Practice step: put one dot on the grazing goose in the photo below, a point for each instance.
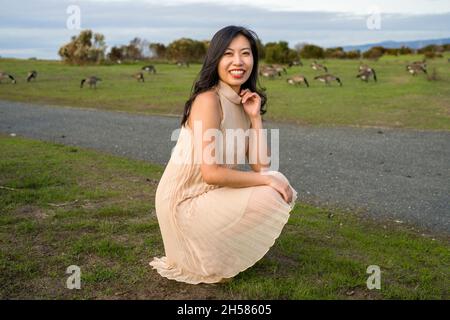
(363, 67)
(316, 66)
(279, 68)
(149, 68)
(327, 78)
(4, 75)
(269, 73)
(365, 74)
(416, 68)
(31, 75)
(139, 77)
(92, 81)
(422, 63)
(264, 68)
(297, 80)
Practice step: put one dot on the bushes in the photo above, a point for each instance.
(339, 53)
(87, 47)
(187, 49)
(279, 52)
(310, 51)
(374, 53)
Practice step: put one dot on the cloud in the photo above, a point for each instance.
(41, 26)
(348, 6)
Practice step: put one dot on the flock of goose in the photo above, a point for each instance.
(139, 76)
(365, 73)
(276, 70)
(91, 81)
(32, 75)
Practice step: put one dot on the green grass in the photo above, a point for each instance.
(397, 100)
(70, 206)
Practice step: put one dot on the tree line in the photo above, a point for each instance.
(89, 47)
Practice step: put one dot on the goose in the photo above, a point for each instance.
(264, 68)
(269, 73)
(316, 66)
(363, 67)
(297, 80)
(365, 74)
(150, 68)
(139, 76)
(269, 69)
(31, 75)
(422, 63)
(416, 68)
(327, 78)
(4, 75)
(92, 81)
(279, 68)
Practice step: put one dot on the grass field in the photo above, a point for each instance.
(71, 206)
(397, 100)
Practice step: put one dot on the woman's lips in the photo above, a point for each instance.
(237, 74)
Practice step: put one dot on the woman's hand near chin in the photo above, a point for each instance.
(251, 102)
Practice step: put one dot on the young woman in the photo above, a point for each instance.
(215, 220)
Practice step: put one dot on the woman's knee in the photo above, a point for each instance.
(265, 192)
(279, 175)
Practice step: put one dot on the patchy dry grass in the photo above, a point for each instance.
(62, 206)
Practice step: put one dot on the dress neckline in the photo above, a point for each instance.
(228, 92)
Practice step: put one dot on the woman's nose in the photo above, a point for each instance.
(237, 60)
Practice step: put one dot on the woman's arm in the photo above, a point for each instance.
(258, 147)
(258, 153)
(206, 110)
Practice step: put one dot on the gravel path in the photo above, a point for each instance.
(397, 174)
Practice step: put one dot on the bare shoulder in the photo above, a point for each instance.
(206, 107)
(209, 97)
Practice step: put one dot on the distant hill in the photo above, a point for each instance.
(417, 44)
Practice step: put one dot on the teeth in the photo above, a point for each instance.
(237, 72)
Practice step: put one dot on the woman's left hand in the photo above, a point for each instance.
(251, 102)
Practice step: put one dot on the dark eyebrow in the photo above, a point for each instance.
(241, 49)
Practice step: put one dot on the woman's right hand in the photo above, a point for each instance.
(281, 186)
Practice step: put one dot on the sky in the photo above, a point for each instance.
(37, 28)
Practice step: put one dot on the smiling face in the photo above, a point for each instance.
(236, 64)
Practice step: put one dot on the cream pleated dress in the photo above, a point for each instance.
(212, 232)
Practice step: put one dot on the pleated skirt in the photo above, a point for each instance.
(221, 232)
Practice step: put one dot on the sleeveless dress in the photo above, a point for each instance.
(212, 232)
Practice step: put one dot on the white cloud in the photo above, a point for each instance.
(351, 6)
(30, 24)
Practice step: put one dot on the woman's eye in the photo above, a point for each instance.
(246, 53)
(228, 53)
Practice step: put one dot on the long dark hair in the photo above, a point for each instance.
(209, 76)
